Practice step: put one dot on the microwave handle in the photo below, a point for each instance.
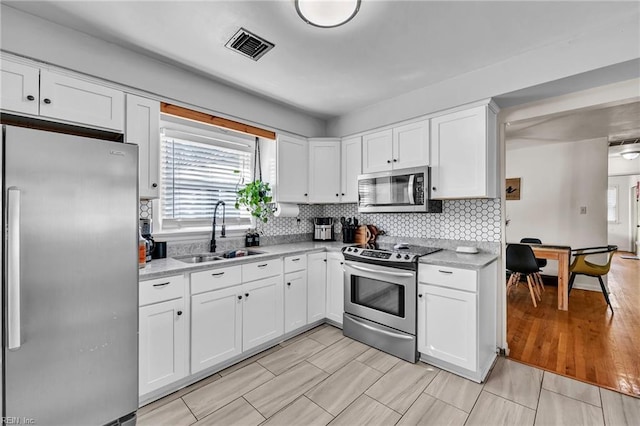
(412, 199)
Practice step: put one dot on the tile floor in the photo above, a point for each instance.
(322, 377)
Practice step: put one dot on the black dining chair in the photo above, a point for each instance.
(541, 262)
(522, 261)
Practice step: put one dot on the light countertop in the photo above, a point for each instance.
(164, 267)
(459, 260)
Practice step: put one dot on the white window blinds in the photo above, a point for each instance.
(197, 172)
(612, 204)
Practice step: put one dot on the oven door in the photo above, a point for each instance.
(381, 294)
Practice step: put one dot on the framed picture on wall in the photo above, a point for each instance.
(513, 189)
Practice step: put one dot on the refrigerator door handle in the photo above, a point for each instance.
(13, 268)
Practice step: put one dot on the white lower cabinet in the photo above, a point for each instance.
(227, 321)
(163, 326)
(295, 300)
(263, 312)
(216, 327)
(316, 287)
(335, 287)
(448, 325)
(457, 318)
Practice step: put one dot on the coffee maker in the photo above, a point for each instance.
(323, 229)
(146, 230)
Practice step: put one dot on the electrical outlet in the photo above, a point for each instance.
(583, 210)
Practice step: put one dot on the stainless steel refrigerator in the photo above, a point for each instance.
(70, 279)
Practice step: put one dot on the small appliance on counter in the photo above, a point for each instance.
(146, 230)
(323, 229)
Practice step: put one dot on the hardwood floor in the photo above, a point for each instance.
(587, 342)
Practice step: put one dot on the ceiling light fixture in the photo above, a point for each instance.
(327, 13)
(630, 155)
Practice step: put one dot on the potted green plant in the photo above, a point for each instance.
(255, 197)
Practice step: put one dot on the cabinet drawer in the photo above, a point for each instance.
(161, 289)
(445, 276)
(215, 279)
(259, 270)
(295, 263)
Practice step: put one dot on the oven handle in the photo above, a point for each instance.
(377, 271)
(380, 330)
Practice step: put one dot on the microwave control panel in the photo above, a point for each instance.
(419, 189)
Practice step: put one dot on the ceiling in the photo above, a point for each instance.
(616, 122)
(389, 48)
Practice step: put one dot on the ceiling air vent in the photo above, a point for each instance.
(249, 44)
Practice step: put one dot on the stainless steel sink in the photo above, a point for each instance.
(212, 257)
(232, 253)
(198, 258)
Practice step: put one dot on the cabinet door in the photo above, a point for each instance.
(324, 171)
(335, 287)
(71, 99)
(143, 129)
(316, 287)
(20, 90)
(162, 338)
(216, 327)
(263, 311)
(351, 162)
(459, 154)
(295, 300)
(447, 325)
(292, 182)
(377, 151)
(411, 145)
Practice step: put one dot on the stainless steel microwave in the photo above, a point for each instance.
(397, 191)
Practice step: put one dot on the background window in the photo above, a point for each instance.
(612, 204)
(198, 170)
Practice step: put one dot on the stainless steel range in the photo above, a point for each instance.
(380, 288)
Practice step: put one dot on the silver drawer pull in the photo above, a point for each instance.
(263, 265)
(445, 272)
(219, 274)
(162, 284)
(295, 260)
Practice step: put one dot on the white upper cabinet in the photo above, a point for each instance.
(71, 99)
(143, 129)
(324, 170)
(292, 180)
(403, 146)
(411, 145)
(20, 90)
(463, 154)
(377, 151)
(351, 162)
(28, 89)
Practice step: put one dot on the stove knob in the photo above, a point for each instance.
(349, 249)
(355, 250)
(406, 256)
(398, 256)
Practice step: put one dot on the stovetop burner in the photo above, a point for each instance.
(384, 253)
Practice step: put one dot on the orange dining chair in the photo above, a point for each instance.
(581, 266)
(522, 261)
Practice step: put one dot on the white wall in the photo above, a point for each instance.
(620, 232)
(35, 38)
(614, 43)
(556, 180)
(618, 166)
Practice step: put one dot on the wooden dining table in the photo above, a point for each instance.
(561, 254)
